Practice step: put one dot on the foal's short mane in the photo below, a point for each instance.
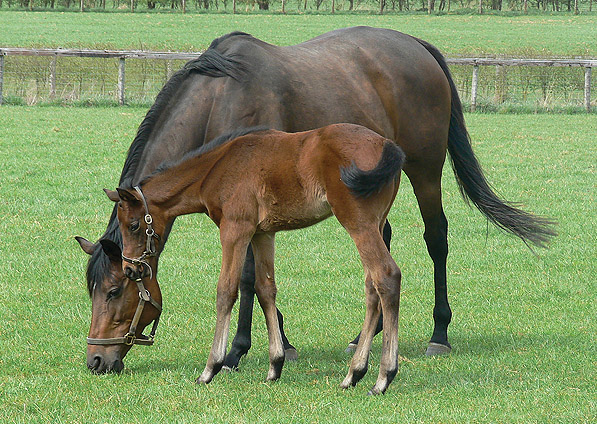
(208, 147)
(211, 63)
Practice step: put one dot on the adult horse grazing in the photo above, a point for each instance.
(387, 81)
(286, 181)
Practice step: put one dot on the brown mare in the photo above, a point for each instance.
(267, 181)
(395, 84)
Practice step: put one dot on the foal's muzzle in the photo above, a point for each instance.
(137, 272)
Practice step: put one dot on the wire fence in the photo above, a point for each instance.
(37, 76)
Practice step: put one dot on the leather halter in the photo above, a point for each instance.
(150, 249)
(130, 338)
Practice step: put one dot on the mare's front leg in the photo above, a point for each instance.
(265, 287)
(235, 238)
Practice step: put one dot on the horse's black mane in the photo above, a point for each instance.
(211, 63)
(207, 147)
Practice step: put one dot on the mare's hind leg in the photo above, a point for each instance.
(428, 193)
(242, 340)
(387, 237)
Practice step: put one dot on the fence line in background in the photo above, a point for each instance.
(499, 64)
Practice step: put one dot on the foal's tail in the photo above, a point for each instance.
(472, 183)
(365, 183)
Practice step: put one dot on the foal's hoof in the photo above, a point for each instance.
(351, 348)
(437, 349)
(291, 354)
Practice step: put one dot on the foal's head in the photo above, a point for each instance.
(114, 299)
(141, 231)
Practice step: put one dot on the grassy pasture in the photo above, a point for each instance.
(523, 331)
(538, 35)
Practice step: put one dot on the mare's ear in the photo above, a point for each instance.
(126, 195)
(112, 250)
(86, 245)
(112, 195)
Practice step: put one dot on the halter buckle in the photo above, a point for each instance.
(129, 339)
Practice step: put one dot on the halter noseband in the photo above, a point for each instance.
(130, 338)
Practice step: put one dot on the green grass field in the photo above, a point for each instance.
(539, 35)
(523, 330)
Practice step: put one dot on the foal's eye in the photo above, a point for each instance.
(134, 226)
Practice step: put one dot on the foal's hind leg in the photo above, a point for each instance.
(383, 293)
(360, 360)
(387, 237)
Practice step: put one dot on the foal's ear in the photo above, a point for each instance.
(86, 245)
(126, 195)
(112, 195)
(112, 250)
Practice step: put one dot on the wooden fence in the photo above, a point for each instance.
(476, 63)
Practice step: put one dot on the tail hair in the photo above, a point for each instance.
(473, 185)
(366, 183)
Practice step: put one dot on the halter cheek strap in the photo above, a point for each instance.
(150, 249)
(130, 338)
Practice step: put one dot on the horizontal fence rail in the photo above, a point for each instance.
(500, 65)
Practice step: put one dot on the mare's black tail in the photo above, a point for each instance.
(365, 183)
(472, 183)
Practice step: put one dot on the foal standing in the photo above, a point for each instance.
(266, 181)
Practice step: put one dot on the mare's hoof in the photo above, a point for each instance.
(291, 354)
(436, 349)
(351, 348)
(229, 369)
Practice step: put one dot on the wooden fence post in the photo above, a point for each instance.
(121, 81)
(53, 78)
(588, 88)
(500, 84)
(1, 75)
(474, 85)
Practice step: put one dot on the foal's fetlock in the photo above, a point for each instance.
(383, 382)
(353, 377)
(209, 373)
(205, 377)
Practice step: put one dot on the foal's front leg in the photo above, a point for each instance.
(235, 239)
(265, 287)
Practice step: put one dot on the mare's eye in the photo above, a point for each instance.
(115, 292)
(134, 226)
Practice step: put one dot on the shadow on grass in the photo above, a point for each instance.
(333, 358)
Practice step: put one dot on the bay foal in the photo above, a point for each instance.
(264, 181)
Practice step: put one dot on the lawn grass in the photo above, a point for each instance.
(523, 331)
(531, 36)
